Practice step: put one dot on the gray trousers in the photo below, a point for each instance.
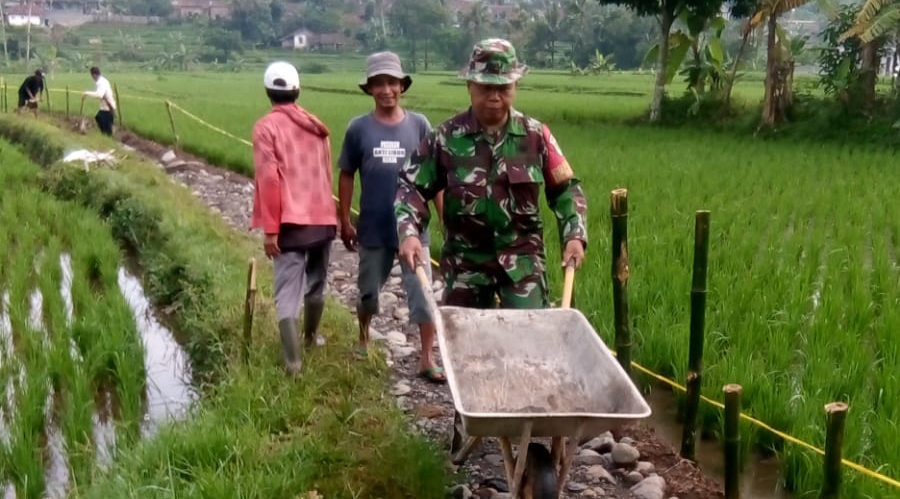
(375, 266)
(300, 275)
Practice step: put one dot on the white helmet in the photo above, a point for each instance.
(281, 75)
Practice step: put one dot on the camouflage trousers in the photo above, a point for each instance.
(482, 289)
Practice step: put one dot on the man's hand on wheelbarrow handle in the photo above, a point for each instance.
(411, 251)
(573, 254)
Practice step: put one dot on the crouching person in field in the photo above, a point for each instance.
(293, 204)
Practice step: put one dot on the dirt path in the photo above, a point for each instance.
(631, 463)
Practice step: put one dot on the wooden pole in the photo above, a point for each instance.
(28, 41)
(695, 355)
(249, 307)
(118, 103)
(836, 413)
(67, 101)
(172, 122)
(49, 109)
(732, 440)
(618, 209)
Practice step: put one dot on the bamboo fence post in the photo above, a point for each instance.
(118, 103)
(695, 355)
(172, 123)
(732, 440)
(49, 109)
(836, 413)
(67, 101)
(249, 308)
(618, 209)
(5, 99)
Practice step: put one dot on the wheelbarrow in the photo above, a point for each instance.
(522, 374)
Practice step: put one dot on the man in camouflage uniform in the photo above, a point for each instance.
(491, 161)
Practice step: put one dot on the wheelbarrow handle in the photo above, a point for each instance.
(423, 277)
(568, 284)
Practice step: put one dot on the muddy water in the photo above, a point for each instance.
(760, 478)
(169, 391)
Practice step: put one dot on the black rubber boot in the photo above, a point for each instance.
(290, 345)
(312, 317)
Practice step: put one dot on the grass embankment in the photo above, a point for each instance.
(63, 343)
(255, 433)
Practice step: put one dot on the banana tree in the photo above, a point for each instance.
(702, 37)
(875, 22)
(876, 18)
(777, 70)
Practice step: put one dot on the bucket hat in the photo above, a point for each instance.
(493, 61)
(384, 63)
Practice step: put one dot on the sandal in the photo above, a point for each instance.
(360, 353)
(434, 374)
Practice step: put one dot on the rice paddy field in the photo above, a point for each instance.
(803, 304)
(74, 354)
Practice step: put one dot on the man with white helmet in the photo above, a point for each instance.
(294, 207)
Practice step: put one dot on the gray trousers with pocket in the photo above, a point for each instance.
(300, 275)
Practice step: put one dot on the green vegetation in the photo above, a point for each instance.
(332, 432)
(54, 384)
(800, 264)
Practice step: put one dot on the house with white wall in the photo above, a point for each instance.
(298, 40)
(22, 15)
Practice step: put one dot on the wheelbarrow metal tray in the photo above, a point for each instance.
(506, 367)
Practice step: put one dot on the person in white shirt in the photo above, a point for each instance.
(106, 116)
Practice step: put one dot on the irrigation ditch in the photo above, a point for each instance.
(167, 394)
(73, 320)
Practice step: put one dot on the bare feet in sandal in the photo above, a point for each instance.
(434, 374)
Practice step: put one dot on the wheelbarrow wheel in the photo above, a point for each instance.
(539, 481)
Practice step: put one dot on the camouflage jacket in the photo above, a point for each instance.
(491, 194)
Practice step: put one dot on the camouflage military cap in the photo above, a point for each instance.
(494, 62)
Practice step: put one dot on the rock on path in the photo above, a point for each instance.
(603, 467)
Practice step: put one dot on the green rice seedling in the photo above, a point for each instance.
(73, 398)
(54, 384)
(115, 358)
(25, 463)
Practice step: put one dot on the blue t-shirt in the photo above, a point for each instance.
(378, 151)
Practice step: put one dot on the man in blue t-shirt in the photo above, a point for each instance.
(376, 145)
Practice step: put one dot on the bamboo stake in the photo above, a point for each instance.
(67, 101)
(5, 99)
(172, 122)
(836, 413)
(695, 355)
(249, 308)
(618, 209)
(49, 110)
(732, 440)
(118, 103)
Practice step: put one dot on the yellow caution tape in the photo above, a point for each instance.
(845, 462)
(208, 125)
(247, 143)
(130, 96)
